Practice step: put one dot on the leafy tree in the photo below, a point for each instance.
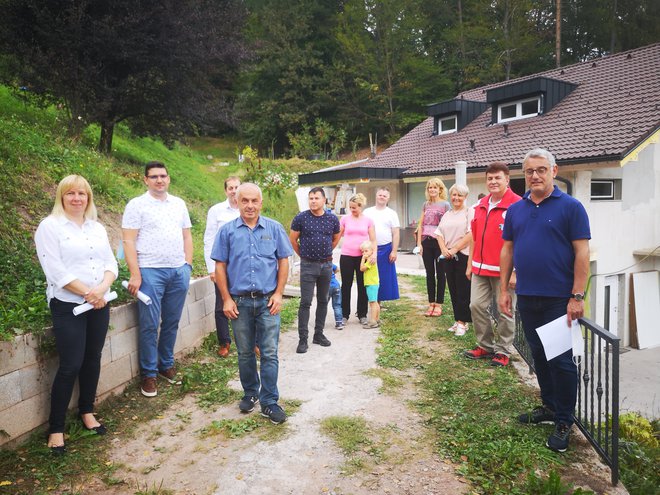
(289, 82)
(164, 67)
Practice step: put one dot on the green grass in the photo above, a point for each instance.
(36, 153)
(470, 407)
(356, 439)
(87, 453)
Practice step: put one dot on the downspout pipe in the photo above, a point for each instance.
(569, 185)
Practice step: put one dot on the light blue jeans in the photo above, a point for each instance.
(167, 288)
(335, 295)
(255, 323)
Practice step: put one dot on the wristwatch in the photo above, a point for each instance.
(578, 296)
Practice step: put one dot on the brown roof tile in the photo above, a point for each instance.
(615, 106)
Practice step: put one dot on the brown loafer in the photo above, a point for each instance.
(223, 350)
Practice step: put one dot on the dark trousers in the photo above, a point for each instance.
(313, 274)
(558, 377)
(221, 321)
(349, 267)
(79, 341)
(435, 275)
(459, 286)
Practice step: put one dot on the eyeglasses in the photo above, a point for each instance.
(155, 177)
(540, 171)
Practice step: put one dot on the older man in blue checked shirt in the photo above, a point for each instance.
(252, 264)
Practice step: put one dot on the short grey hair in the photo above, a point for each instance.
(248, 185)
(540, 153)
(461, 189)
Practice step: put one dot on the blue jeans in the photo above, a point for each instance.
(167, 288)
(313, 274)
(255, 323)
(558, 378)
(335, 295)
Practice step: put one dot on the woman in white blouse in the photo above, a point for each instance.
(75, 254)
(454, 237)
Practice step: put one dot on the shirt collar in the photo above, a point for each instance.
(260, 222)
(556, 192)
(63, 220)
(156, 200)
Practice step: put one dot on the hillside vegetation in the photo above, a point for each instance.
(35, 153)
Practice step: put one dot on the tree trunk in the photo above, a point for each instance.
(558, 34)
(105, 143)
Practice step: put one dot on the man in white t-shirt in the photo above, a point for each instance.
(387, 226)
(219, 215)
(158, 248)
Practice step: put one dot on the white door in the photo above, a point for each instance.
(611, 304)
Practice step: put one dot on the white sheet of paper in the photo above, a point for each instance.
(557, 337)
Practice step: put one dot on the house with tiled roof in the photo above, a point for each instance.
(601, 120)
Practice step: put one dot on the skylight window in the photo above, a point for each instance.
(447, 125)
(521, 109)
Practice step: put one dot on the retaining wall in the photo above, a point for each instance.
(26, 375)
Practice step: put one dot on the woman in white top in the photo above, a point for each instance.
(77, 259)
(454, 237)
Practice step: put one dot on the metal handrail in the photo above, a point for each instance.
(597, 409)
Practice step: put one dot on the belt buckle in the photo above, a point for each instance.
(254, 294)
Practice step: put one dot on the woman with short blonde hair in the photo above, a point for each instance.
(454, 237)
(355, 228)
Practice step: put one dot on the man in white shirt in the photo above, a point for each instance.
(387, 226)
(158, 248)
(219, 215)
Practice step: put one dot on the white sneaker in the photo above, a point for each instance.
(453, 327)
(460, 329)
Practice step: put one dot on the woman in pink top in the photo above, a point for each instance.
(355, 229)
(454, 239)
(435, 206)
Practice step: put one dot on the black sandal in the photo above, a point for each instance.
(100, 429)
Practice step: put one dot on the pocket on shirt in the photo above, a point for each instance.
(267, 247)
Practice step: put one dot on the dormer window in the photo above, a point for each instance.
(521, 109)
(447, 125)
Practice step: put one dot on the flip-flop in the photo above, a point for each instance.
(429, 312)
(437, 311)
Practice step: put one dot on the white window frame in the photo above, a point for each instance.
(450, 131)
(613, 188)
(519, 105)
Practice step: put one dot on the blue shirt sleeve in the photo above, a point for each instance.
(284, 248)
(220, 249)
(295, 223)
(579, 226)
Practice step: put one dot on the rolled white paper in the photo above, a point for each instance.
(140, 295)
(110, 296)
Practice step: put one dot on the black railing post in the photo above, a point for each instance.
(601, 429)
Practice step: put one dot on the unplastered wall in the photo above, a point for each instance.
(26, 375)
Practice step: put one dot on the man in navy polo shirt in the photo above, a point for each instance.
(546, 238)
(314, 234)
(252, 265)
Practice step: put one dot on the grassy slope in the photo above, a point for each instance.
(35, 153)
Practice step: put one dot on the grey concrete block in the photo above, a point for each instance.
(106, 353)
(24, 416)
(196, 311)
(123, 317)
(12, 355)
(10, 389)
(123, 343)
(38, 378)
(185, 320)
(203, 287)
(115, 374)
(209, 304)
(134, 360)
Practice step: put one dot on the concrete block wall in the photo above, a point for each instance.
(26, 375)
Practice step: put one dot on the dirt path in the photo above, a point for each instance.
(170, 452)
